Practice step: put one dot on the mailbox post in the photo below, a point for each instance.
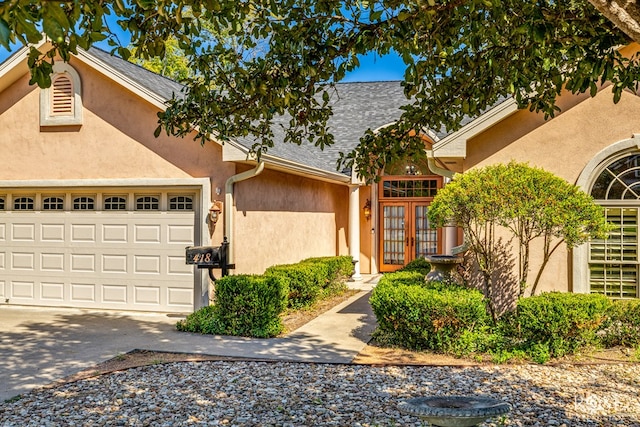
(210, 257)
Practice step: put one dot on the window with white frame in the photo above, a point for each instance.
(23, 203)
(115, 203)
(83, 203)
(52, 203)
(181, 203)
(147, 203)
(614, 262)
(61, 103)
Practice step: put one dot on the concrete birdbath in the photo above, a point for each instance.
(454, 411)
(443, 269)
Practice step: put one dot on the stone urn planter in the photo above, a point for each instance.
(454, 411)
(444, 269)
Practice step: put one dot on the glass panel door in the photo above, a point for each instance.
(394, 236)
(426, 238)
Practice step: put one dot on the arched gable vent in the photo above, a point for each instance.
(61, 104)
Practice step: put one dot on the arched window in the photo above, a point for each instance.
(613, 262)
(61, 104)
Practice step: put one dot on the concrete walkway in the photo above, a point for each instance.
(40, 345)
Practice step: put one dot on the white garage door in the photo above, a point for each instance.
(97, 251)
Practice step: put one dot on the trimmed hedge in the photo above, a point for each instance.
(422, 317)
(453, 319)
(555, 324)
(313, 279)
(623, 324)
(246, 305)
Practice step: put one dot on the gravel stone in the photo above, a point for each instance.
(298, 394)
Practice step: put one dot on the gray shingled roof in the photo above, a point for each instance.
(156, 83)
(356, 108)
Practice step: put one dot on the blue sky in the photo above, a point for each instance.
(372, 67)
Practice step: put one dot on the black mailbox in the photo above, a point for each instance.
(210, 257)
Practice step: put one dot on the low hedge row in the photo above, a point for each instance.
(251, 305)
(453, 319)
(313, 278)
(423, 316)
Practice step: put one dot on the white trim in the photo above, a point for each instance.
(580, 255)
(234, 152)
(121, 79)
(455, 144)
(46, 116)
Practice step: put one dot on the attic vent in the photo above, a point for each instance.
(62, 96)
(61, 103)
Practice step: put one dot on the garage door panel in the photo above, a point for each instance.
(146, 264)
(22, 289)
(147, 233)
(52, 232)
(23, 232)
(83, 233)
(147, 295)
(114, 263)
(52, 262)
(177, 265)
(52, 291)
(114, 294)
(179, 297)
(128, 260)
(23, 261)
(83, 292)
(82, 263)
(115, 233)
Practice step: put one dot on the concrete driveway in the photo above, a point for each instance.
(40, 345)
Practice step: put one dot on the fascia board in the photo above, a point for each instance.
(135, 87)
(234, 152)
(455, 144)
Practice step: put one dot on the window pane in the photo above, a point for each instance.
(1, 203)
(83, 203)
(115, 203)
(23, 204)
(53, 204)
(147, 203)
(181, 203)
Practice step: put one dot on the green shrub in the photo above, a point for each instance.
(305, 282)
(623, 324)
(555, 324)
(313, 279)
(419, 264)
(202, 321)
(248, 306)
(340, 268)
(418, 317)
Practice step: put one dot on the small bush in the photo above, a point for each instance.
(555, 324)
(248, 306)
(410, 278)
(305, 282)
(418, 317)
(202, 321)
(419, 264)
(623, 324)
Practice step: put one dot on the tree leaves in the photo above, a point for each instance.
(262, 65)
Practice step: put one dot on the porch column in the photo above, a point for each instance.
(354, 228)
(450, 239)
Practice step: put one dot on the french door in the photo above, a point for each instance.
(405, 231)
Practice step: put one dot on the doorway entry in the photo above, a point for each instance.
(405, 231)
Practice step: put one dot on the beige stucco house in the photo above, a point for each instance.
(95, 212)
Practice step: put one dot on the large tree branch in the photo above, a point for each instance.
(624, 14)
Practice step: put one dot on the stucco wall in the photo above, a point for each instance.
(115, 140)
(562, 145)
(283, 219)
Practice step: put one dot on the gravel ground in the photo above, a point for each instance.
(296, 394)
